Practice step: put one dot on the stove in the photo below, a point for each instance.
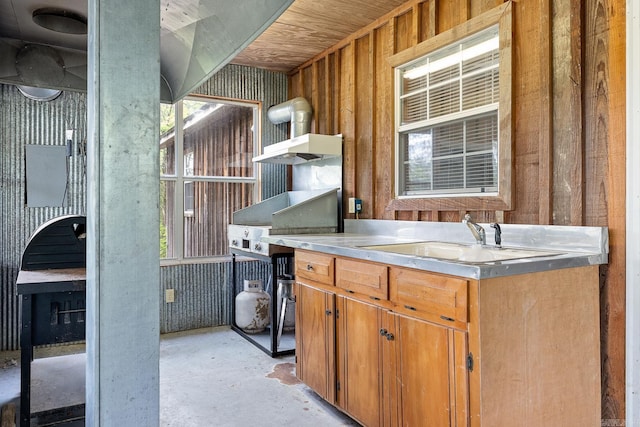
(292, 212)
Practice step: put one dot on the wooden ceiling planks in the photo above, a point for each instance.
(308, 28)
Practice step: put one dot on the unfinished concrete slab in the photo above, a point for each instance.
(208, 377)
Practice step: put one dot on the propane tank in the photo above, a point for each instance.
(252, 307)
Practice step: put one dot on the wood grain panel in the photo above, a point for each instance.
(536, 308)
(360, 342)
(321, 97)
(428, 20)
(528, 87)
(424, 392)
(370, 279)
(308, 85)
(383, 139)
(364, 117)
(315, 340)
(404, 31)
(347, 121)
(315, 267)
(478, 7)
(545, 98)
(452, 13)
(567, 114)
(334, 91)
(604, 112)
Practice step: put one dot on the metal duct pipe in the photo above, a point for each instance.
(297, 111)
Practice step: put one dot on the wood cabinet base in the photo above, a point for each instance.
(437, 350)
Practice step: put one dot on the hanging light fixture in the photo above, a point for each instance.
(39, 93)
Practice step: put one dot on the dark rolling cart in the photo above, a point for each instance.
(51, 287)
(281, 263)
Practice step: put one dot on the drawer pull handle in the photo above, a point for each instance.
(309, 267)
(374, 298)
(350, 291)
(448, 319)
(410, 308)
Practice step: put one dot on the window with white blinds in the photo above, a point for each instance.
(447, 119)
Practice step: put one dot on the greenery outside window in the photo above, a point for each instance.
(215, 141)
(453, 117)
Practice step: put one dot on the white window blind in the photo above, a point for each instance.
(448, 118)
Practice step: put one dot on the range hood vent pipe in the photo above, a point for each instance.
(297, 111)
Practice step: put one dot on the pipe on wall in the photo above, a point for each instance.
(297, 111)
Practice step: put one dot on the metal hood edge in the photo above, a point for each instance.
(303, 146)
(300, 149)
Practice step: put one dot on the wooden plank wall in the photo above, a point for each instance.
(569, 117)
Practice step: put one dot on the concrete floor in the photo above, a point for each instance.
(208, 377)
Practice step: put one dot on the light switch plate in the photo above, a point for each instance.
(169, 295)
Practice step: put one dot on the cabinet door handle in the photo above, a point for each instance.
(410, 308)
(448, 319)
(374, 298)
(309, 267)
(350, 291)
(327, 312)
(387, 334)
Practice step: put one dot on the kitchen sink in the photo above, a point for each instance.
(459, 252)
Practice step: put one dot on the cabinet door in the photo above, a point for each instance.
(359, 360)
(315, 338)
(426, 366)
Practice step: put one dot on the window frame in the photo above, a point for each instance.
(502, 199)
(179, 178)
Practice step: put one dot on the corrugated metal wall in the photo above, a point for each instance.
(24, 121)
(202, 294)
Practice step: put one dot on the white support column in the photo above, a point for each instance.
(122, 213)
(633, 216)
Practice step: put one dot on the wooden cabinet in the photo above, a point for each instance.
(394, 346)
(397, 370)
(318, 268)
(368, 279)
(315, 338)
(360, 362)
(433, 381)
(388, 368)
(430, 296)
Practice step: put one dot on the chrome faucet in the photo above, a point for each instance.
(476, 230)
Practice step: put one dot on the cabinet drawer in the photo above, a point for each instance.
(315, 266)
(433, 296)
(362, 277)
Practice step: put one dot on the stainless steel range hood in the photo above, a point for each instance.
(302, 149)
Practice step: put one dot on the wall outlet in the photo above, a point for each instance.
(169, 295)
(352, 205)
(358, 205)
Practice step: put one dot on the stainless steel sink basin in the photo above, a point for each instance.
(459, 252)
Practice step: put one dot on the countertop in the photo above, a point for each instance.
(575, 246)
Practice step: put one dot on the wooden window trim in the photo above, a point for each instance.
(501, 15)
